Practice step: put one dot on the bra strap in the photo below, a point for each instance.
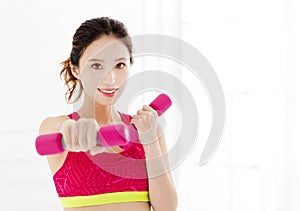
(126, 118)
(74, 116)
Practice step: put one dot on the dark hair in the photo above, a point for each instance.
(88, 32)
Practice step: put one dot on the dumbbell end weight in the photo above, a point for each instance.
(49, 144)
(161, 103)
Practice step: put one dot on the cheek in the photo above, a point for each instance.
(122, 81)
(123, 77)
(90, 81)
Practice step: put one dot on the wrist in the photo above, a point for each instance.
(147, 138)
(152, 149)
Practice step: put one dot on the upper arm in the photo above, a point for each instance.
(51, 124)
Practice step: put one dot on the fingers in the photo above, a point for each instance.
(138, 116)
(87, 131)
(142, 112)
(141, 116)
(80, 135)
(92, 135)
(147, 108)
(145, 121)
(67, 129)
(146, 111)
(136, 121)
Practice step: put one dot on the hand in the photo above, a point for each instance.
(145, 122)
(81, 135)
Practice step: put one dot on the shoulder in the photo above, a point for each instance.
(52, 124)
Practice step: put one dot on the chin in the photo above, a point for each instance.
(106, 101)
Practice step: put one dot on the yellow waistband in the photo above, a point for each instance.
(107, 198)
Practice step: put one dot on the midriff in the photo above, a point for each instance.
(124, 206)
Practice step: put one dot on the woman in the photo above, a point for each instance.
(99, 65)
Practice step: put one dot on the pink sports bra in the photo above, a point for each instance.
(85, 180)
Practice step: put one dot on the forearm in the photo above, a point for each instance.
(162, 191)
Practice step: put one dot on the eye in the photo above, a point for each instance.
(96, 66)
(121, 65)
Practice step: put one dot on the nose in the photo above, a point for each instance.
(109, 78)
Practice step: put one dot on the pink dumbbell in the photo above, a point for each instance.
(112, 135)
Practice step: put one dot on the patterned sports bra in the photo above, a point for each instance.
(105, 178)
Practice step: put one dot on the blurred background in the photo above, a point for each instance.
(253, 47)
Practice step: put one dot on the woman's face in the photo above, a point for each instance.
(104, 69)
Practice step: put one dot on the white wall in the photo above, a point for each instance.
(254, 48)
(252, 45)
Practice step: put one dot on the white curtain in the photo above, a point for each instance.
(253, 46)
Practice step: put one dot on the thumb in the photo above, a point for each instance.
(96, 150)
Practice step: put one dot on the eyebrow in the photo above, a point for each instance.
(102, 60)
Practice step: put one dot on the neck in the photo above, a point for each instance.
(103, 114)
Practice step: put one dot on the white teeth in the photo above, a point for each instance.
(108, 91)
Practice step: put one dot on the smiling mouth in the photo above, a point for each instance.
(107, 92)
